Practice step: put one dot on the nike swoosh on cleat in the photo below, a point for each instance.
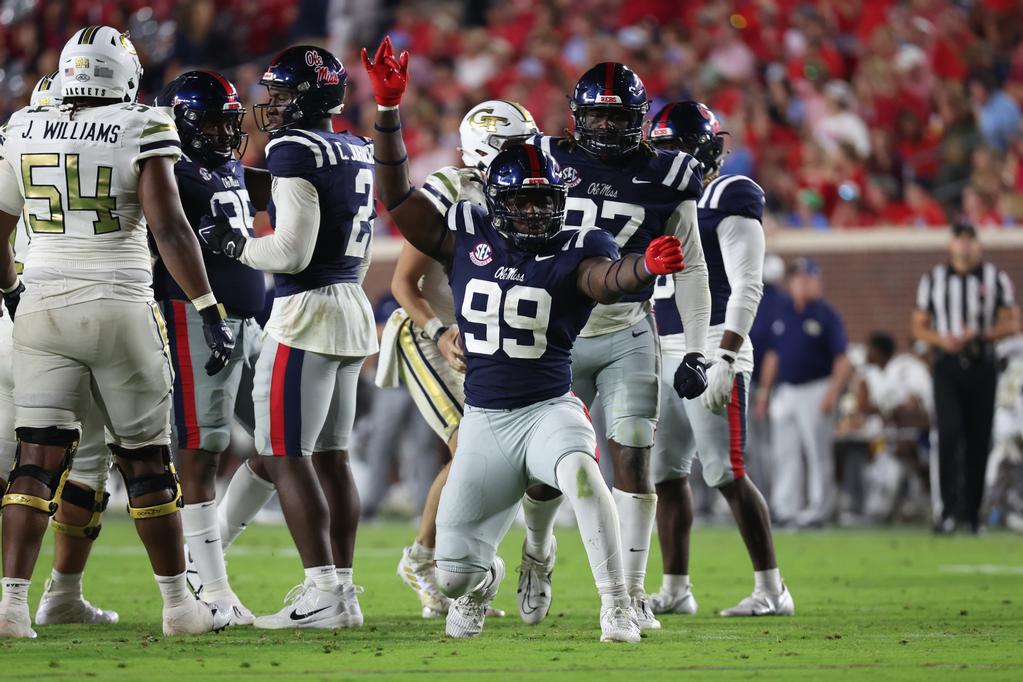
(639, 333)
(641, 182)
(295, 615)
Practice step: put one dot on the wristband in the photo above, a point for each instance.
(391, 163)
(385, 107)
(726, 355)
(13, 287)
(382, 129)
(431, 327)
(204, 301)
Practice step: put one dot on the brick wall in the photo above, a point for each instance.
(871, 277)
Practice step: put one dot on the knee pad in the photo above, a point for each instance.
(633, 431)
(150, 483)
(96, 500)
(54, 480)
(455, 579)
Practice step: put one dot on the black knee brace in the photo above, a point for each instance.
(96, 500)
(150, 483)
(54, 480)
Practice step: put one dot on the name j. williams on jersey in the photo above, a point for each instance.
(85, 131)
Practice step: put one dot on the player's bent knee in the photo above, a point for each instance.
(149, 471)
(455, 578)
(215, 441)
(633, 432)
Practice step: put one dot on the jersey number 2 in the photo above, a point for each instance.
(493, 311)
(362, 223)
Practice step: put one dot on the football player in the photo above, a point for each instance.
(208, 115)
(91, 175)
(420, 344)
(83, 500)
(617, 182)
(321, 327)
(523, 289)
(713, 427)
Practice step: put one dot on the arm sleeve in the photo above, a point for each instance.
(290, 248)
(692, 292)
(923, 293)
(742, 251)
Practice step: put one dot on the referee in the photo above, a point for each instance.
(963, 307)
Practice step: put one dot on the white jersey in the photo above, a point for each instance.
(446, 187)
(75, 175)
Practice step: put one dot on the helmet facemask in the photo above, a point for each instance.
(609, 131)
(528, 215)
(283, 107)
(215, 136)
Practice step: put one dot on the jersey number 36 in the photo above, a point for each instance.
(521, 307)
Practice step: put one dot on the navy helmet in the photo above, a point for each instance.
(615, 89)
(526, 196)
(208, 114)
(316, 80)
(692, 128)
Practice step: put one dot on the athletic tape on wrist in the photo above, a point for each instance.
(382, 129)
(204, 301)
(387, 107)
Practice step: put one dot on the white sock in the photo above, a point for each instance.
(174, 589)
(344, 576)
(246, 494)
(674, 584)
(202, 534)
(595, 512)
(540, 515)
(324, 577)
(421, 552)
(768, 581)
(15, 592)
(65, 584)
(637, 512)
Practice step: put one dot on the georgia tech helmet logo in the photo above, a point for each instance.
(484, 118)
(127, 44)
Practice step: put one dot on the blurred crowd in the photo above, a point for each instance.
(850, 113)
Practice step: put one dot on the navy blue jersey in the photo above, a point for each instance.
(217, 191)
(807, 341)
(631, 198)
(519, 313)
(727, 195)
(771, 305)
(340, 167)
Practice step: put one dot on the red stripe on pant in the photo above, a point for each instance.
(185, 374)
(735, 433)
(277, 401)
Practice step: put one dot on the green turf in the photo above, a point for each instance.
(877, 604)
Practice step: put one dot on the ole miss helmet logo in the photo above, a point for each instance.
(481, 254)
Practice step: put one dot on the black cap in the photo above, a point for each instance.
(963, 228)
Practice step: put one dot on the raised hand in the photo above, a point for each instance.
(389, 76)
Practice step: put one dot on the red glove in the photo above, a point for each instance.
(388, 75)
(664, 256)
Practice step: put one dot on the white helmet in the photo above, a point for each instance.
(100, 61)
(46, 93)
(488, 126)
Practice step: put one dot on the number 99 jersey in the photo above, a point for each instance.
(76, 175)
(518, 312)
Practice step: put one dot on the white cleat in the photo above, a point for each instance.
(468, 612)
(619, 624)
(534, 590)
(763, 604)
(418, 575)
(309, 607)
(57, 609)
(193, 617)
(644, 616)
(236, 612)
(669, 602)
(350, 594)
(15, 622)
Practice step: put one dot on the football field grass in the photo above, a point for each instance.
(869, 604)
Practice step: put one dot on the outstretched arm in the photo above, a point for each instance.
(411, 209)
(605, 280)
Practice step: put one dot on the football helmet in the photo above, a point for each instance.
(489, 126)
(46, 93)
(199, 99)
(692, 128)
(526, 196)
(100, 61)
(615, 90)
(316, 80)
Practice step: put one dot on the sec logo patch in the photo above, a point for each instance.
(481, 255)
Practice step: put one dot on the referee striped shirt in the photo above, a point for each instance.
(960, 302)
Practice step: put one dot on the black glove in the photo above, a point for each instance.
(13, 298)
(218, 337)
(691, 376)
(217, 235)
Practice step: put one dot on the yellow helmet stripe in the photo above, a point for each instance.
(88, 35)
(526, 116)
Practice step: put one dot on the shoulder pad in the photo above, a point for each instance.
(464, 216)
(158, 134)
(734, 195)
(682, 173)
(592, 241)
(291, 155)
